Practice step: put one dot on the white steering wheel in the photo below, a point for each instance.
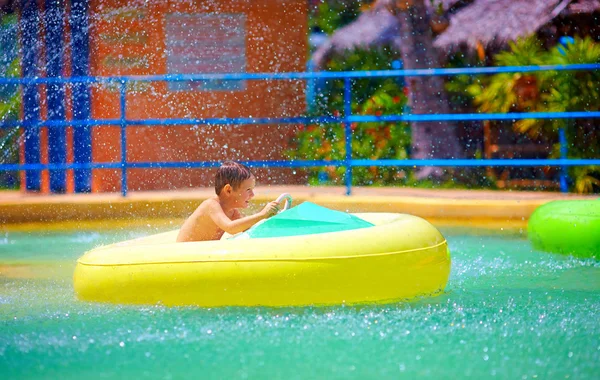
(288, 201)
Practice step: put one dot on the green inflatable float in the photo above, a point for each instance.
(567, 227)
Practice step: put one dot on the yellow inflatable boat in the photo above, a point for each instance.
(392, 257)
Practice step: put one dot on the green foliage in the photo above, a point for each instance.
(10, 105)
(381, 140)
(332, 99)
(574, 90)
(547, 91)
(9, 108)
(10, 102)
(369, 141)
(500, 93)
(9, 153)
(587, 179)
(8, 19)
(331, 15)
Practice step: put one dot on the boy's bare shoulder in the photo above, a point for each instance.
(209, 203)
(205, 208)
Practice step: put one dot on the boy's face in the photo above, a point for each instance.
(244, 193)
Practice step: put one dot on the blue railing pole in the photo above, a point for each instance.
(123, 94)
(80, 60)
(348, 133)
(310, 88)
(564, 175)
(31, 97)
(57, 142)
(446, 162)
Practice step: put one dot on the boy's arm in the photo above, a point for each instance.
(242, 224)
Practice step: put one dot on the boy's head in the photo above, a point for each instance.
(231, 173)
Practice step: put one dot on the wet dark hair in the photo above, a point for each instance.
(232, 173)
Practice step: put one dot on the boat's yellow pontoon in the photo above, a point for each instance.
(391, 257)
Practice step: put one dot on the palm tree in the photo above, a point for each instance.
(427, 94)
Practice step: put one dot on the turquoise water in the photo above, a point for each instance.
(508, 312)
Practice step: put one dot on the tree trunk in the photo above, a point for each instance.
(426, 94)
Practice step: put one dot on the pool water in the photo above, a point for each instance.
(508, 312)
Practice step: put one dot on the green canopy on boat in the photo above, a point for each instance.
(304, 219)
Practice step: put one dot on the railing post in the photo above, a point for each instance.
(564, 175)
(57, 142)
(123, 94)
(310, 88)
(80, 60)
(31, 97)
(348, 133)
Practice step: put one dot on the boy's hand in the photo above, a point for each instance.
(270, 209)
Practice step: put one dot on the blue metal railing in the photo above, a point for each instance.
(346, 119)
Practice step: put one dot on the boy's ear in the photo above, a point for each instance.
(227, 188)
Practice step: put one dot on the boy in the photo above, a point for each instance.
(234, 185)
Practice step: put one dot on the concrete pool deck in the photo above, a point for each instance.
(464, 207)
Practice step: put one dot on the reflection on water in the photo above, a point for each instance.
(508, 311)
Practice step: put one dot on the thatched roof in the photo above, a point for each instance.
(472, 22)
(373, 28)
(495, 22)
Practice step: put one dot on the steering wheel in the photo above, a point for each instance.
(288, 201)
